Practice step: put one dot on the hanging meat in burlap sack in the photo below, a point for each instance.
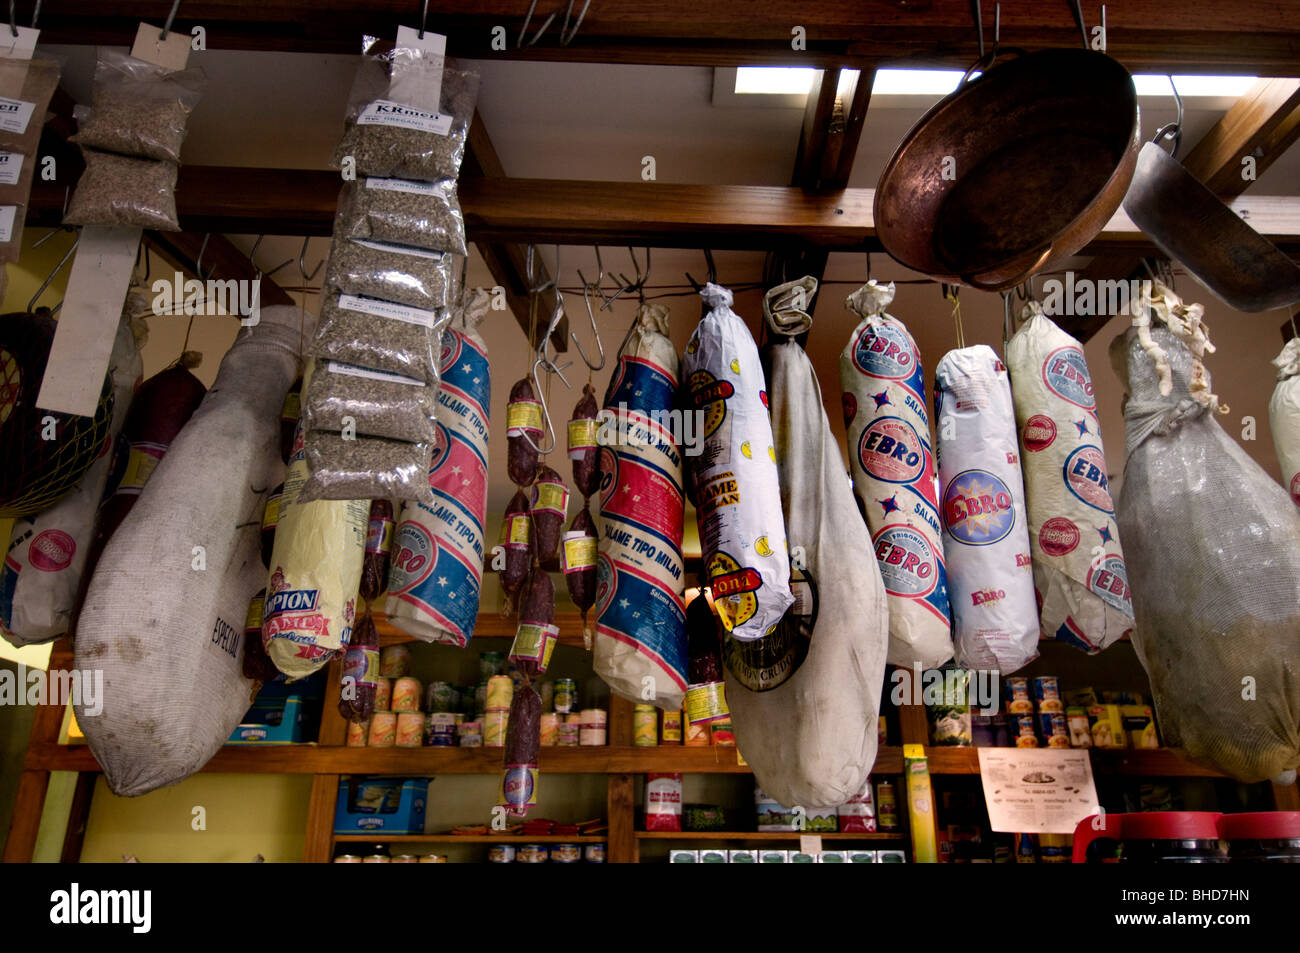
(1079, 571)
(437, 568)
(732, 476)
(315, 571)
(1213, 549)
(990, 582)
(640, 645)
(892, 461)
(164, 613)
(805, 700)
(43, 567)
(1284, 416)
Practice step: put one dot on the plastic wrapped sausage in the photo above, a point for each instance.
(360, 684)
(379, 540)
(523, 742)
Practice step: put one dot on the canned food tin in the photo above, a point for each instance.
(1054, 729)
(494, 729)
(441, 696)
(547, 693)
(383, 729)
(720, 733)
(593, 853)
(1047, 694)
(592, 727)
(548, 730)
(500, 692)
(410, 729)
(406, 859)
(566, 695)
(491, 663)
(645, 725)
(406, 694)
(378, 859)
(348, 859)
(566, 854)
(395, 661)
(1019, 700)
(480, 697)
(567, 734)
(441, 729)
(1023, 731)
(886, 807)
(357, 733)
(383, 694)
(469, 734)
(433, 859)
(532, 854)
(1080, 732)
(501, 854)
(670, 728)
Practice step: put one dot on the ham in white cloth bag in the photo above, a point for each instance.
(640, 645)
(1214, 558)
(805, 700)
(990, 582)
(890, 456)
(1079, 570)
(163, 619)
(733, 477)
(1284, 416)
(437, 563)
(41, 578)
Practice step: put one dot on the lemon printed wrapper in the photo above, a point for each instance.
(733, 478)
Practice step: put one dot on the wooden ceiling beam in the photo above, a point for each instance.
(1255, 36)
(250, 201)
(505, 260)
(1262, 124)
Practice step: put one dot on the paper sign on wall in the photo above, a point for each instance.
(1037, 790)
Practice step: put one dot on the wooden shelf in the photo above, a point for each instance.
(766, 835)
(1153, 762)
(490, 625)
(505, 838)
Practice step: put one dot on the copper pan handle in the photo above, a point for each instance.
(985, 61)
(1040, 257)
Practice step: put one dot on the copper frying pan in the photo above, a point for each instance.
(1014, 172)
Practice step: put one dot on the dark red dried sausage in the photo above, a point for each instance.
(379, 538)
(580, 564)
(523, 743)
(523, 417)
(517, 539)
(536, 611)
(550, 507)
(583, 450)
(360, 668)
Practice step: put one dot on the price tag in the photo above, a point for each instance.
(18, 47)
(172, 53)
(810, 844)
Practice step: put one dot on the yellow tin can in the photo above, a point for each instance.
(410, 729)
(383, 729)
(494, 728)
(645, 725)
(406, 694)
(500, 692)
(670, 728)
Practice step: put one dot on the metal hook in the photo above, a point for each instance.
(142, 251)
(567, 35)
(1076, 9)
(630, 286)
(36, 13)
(302, 266)
(13, 20)
(252, 256)
(520, 44)
(167, 27)
(1294, 332)
(713, 272)
(1008, 321)
(542, 360)
(587, 288)
(46, 283)
(424, 15)
(979, 24)
(198, 262)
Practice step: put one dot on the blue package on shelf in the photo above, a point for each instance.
(270, 722)
(390, 805)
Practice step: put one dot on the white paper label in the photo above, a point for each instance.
(351, 370)
(172, 53)
(386, 309)
(403, 185)
(15, 115)
(385, 112)
(1037, 790)
(11, 167)
(7, 213)
(18, 47)
(400, 249)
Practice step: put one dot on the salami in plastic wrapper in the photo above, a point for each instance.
(733, 479)
(1284, 416)
(311, 594)
(1079, 570)
(892, 461)
(640, 646)
(437, 563)
(990, 583)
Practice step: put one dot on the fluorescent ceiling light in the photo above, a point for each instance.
(786, 81)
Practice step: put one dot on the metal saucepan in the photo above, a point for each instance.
(1188, 222)
(1014, 172)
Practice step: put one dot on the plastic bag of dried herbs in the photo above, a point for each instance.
(365, 468)
(138, 109)
(408, 115)
(25, 90)
(397, 273)
(121, 190)
(375, 403)
(403, 212)
(380, 335)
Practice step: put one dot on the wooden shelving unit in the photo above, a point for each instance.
(765, 836)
